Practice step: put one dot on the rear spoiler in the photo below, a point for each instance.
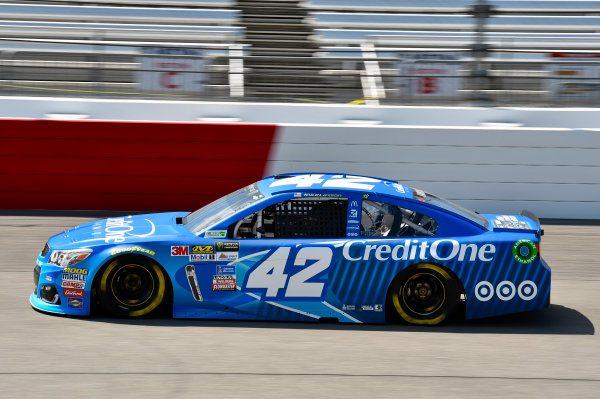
(532, 216)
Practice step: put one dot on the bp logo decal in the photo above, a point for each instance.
(524, 251)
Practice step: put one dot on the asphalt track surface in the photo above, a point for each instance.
(552, 353)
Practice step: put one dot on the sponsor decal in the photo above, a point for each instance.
(348, 307)
(501, 224)
(75, 303)
(354, 214)
(378, 308)
(48, 278)
(74, 293)
(80, 278)
(297, 195)
(507, 218)
(180, 250)
(366, 307)
(227, 246)
(215, 234)
(510, 222)
(132, 249)
(505, 290)
(74, 270)
(203, 257)
(118, 229)
(227, 256)
(225, 269)
(525, 251)
(321, 195)
(223, 282)
(72, 284)
(365, 196)
(442, 250)
(203, 249)
(398, 187)
(352, 234)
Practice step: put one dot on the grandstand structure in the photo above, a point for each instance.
(378, 51)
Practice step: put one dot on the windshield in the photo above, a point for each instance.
(421, 195)
(222, 208)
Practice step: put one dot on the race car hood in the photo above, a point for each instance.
(526, 222)
(123, 229)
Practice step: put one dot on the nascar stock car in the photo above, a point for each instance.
(301, 247)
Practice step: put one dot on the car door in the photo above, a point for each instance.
(286, 255)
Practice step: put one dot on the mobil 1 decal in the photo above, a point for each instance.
(291, 273)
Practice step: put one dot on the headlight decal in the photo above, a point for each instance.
(68, 258)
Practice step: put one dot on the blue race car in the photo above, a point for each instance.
(301, 247)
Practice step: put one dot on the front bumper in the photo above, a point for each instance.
(68, 301)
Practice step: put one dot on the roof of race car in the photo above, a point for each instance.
(332, 182)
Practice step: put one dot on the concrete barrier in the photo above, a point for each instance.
(148, 155)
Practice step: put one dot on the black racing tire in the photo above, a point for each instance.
(424, 294)
(132, 287)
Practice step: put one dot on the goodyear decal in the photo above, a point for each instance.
(133, 249)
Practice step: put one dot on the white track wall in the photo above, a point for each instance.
(309, 114)
(553, 172)
(496, 160)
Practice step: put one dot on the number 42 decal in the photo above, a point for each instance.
(281, 276)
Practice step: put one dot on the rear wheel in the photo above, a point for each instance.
(132, 287)
(425, 294)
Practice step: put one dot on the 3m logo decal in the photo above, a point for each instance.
(180, 250)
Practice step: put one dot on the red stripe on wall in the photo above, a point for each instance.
(137, 166)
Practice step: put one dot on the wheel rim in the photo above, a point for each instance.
(132, 285)
(423, 294)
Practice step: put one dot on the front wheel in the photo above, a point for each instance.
(425, 294)
(132, 287)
